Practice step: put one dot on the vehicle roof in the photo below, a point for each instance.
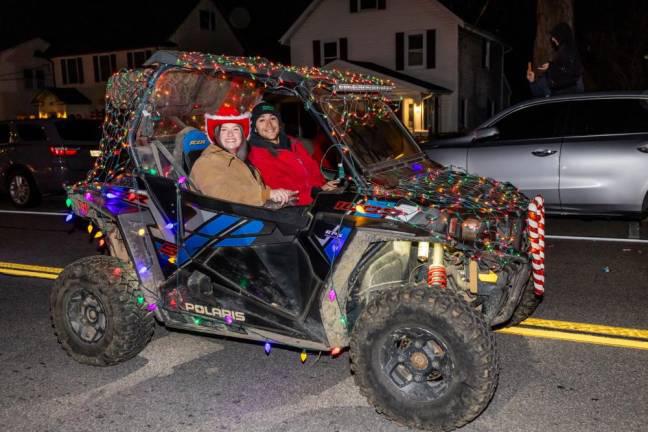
(567, 98)
(263, 69)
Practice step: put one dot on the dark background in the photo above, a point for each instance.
(611, 35)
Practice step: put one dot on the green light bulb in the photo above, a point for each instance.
(68, 202)
(140, 300)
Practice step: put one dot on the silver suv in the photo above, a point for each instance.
(41, 156)
(585, 154)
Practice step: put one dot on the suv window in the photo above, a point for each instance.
(4, 133)
(31, 132)
(537, 121)
(608, 116)
(79, 130)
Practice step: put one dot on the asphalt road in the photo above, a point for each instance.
(184, 382)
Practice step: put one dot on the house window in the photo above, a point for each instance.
(104, 66)
(137, 58)
(207, 20)
(360, 5)
(330, 50)
(486, 54)
(463, 114)
(72, 70)
(28, 76)
(415, 49)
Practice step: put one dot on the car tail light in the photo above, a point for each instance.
(63, 151)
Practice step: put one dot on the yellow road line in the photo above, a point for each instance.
(14, 266)
(573, 337)
(27, 273)
(587, 328)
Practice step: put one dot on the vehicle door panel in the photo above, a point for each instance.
(252, 256)
(526, 152)
(604, 162)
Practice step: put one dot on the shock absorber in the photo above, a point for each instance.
(436, 271)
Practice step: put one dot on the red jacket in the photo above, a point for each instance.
(292, 169)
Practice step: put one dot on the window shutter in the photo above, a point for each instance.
(431, 49)
(381, 4)
(64, 72)
(317, 53)
(343, 49)
(129, 60)
(113, 63)
(80, 69)
(353, 6)
(95, 66)
(400, 51)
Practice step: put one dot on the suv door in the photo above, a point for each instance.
(604, 157)
(526, 152)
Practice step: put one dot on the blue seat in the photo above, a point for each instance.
(191, 142)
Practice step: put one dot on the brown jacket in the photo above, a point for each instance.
(221, 175)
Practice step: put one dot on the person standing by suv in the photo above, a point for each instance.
(564, 74)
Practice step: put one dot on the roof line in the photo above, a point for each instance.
(285, 39)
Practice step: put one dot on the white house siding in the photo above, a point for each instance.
(371, 37)
(190, 37)
(15, 99)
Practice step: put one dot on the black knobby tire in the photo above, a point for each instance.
(528, 304)
(449, 333)
(26, 194)
(96, 314)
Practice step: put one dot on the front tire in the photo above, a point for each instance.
(96, 314)
(424, 358)
(528, 304)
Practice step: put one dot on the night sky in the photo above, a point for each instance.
(611, 34)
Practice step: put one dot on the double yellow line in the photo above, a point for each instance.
(533, 327)
(581, 332)
(29, 270)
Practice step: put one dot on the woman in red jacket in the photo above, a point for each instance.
(283, 161)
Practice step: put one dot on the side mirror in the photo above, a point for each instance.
(485, 134)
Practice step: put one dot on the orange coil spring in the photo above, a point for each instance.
(437, 276)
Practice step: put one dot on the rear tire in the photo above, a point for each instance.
(96, 314)
(424, 358)
(22, 189)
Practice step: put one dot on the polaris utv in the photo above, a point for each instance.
(408, 264)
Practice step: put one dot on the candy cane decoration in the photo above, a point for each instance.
(536, 221)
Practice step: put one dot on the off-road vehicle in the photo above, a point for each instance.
(408, 264)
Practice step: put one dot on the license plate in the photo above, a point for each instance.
(95, 153)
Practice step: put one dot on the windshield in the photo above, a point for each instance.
(370, 129)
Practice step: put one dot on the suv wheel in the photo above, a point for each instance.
(22, 189)
(424, 358)
(96, 314)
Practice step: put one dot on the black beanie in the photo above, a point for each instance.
(263, 108)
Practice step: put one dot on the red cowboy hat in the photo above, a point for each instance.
(226, 114)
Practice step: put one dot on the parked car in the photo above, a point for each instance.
(585, 154)
(41, 156)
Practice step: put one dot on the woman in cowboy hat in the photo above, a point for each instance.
(221, 173)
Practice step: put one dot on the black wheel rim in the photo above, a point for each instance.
(86, 316)
(417, 363)
(19, 189)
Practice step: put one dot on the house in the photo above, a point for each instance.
(125, 39)
(23, 75)
(448, 73)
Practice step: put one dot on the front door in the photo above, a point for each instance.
(526, 152)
